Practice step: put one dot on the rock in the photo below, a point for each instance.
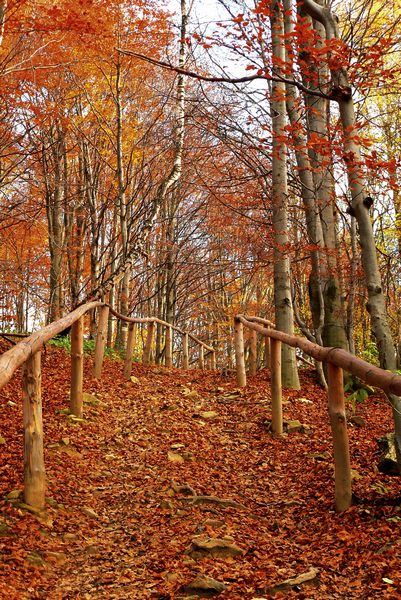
(35, 558)
(388, 456)
(184, 490)
(218, 547)
(4, 530)
(190, 393)
(295, 581)
(319, 456)
(175, 458)
(294, 426)
(90, 399)
(224, 502)
(215, 523)
(90, 513)
(355, 474)
(14, 495)
(357, 420)
(35, 511)
(57, 557)
(188, 456)
(160, 371)
(209, 414)
(2, 440)
(203, 587)
(54, 504)
(75, 419)
(290, 426)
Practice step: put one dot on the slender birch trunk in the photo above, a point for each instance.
(146, 226)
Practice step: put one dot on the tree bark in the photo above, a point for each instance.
(77, 367)
(34, 468)
(282, 286)
(338, 420)
(376, 306)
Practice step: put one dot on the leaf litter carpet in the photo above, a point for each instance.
(172, 487)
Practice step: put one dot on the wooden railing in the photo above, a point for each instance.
(337, 360)
(27, 353)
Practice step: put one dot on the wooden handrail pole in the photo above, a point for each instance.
(129, 350)
(239, 353)
(266, 356)
(101, 336)
(148, 344)
(77, 367)
(201, 357)
(214, 360)
(185, 351)
(276, 390)
(252, 353)
(338, 421)
(34, 466)
(169, 348)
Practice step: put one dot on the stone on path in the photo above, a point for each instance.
(388, 459)
(217, 547)
(203, 587)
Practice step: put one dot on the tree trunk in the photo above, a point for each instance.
(333, 333)
(341, 91)
(282, 287)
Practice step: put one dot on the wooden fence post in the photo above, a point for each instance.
(276, 390)
(338, 421)
(266, 356)
(168, 353)
(77, 367)
(34, 467)
(129, 350)
(239, 353)
(201, 357)
(185, 351)
(148, 344)
(214, 360)
(252, 353)
(100, 343)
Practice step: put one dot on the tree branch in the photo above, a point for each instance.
(218, 79)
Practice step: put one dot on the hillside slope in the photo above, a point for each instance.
(173, 478)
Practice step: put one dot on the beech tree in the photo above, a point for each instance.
(340, 90)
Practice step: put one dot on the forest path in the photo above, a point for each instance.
(173, 476)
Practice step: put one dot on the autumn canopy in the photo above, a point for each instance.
(203, 173)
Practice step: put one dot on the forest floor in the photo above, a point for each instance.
(172, 482)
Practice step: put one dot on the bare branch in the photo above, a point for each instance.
(218, 79)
